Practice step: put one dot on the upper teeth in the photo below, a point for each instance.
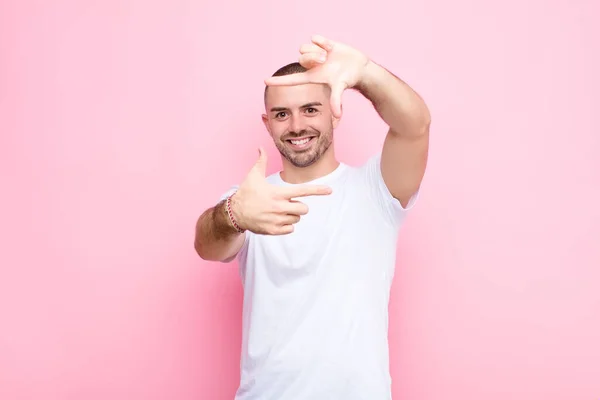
(302, 141)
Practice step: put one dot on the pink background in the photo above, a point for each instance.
(121, 121)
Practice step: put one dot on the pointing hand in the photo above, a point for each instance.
(263, 208)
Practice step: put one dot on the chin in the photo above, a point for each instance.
(303, 160)
(305, 164)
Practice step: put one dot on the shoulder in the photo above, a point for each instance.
(369, 177)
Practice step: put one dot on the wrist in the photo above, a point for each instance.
(371, 73)
(233, 214)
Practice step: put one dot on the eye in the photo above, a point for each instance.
(280, 114)
(311, 110)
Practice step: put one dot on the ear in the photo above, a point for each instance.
(265, 120)
(334, 121)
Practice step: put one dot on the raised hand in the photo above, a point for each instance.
(335, 64)
(263, 208)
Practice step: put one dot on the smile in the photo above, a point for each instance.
(300, 143)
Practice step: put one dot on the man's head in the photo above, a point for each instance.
(300, 112)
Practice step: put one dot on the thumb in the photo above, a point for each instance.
(336, 99)
(261, 163)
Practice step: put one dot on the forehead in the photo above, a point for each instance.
(296, 96)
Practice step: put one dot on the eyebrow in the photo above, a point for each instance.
(307, 105)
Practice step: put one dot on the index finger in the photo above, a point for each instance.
(305, 190)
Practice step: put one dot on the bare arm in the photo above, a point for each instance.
(216, 239)
(405, 149)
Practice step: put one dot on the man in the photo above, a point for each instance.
(316, 242)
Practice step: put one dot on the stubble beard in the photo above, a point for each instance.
(306, 158)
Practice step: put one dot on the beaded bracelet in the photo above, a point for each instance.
(231, 218)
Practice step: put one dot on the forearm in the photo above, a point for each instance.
(402, 109)
(216, 238)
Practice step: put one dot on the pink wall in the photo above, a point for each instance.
(120, 121)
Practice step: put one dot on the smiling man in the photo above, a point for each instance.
(316, 242)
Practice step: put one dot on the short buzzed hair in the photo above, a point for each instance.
(292, 68)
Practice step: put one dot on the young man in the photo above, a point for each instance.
(316, 242)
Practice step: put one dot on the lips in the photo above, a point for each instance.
(300, 143)
(299, 138)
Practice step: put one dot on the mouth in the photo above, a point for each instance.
(301, 143)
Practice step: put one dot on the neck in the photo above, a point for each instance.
(324, 166)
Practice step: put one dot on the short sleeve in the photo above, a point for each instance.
(389, 207)
(229, 192)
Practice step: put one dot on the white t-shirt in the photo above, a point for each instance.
(315, 312)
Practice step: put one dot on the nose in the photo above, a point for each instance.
(297, 123)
